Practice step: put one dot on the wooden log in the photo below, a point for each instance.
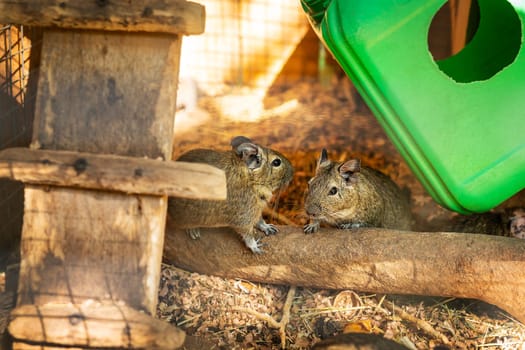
(159, 16)
(488, 268)
(92, 324)
(113, 173)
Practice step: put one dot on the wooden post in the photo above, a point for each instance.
(101, 90)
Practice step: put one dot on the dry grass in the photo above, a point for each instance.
(236, 314)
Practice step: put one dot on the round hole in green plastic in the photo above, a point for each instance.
(491, 41)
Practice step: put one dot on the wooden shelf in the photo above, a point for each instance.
(160, 16)
(113, 173)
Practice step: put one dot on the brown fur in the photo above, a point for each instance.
(250, 185)
(363, 197)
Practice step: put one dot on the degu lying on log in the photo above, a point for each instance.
(253, 174)
(347, 195)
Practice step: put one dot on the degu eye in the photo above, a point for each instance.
(333, 191)
(276, 162)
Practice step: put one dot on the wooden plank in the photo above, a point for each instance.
(93, 324)
(79, 245)
(107, 93)
(113, 173)
(163, 16)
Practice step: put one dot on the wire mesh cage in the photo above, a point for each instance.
(17, 99)
(246, 43)
(248, 47)
(14, 74)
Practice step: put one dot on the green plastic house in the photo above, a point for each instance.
(460, 122)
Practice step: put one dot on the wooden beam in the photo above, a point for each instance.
(162, 16)
(484, 267)
(113, 173)
(92, 324)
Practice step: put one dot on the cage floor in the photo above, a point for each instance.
(299, 120)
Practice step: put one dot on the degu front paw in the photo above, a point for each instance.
(268, 229)
(255, 245)
(195, 232)
(311, 227)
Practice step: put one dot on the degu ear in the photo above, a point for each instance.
(250, 154)
(348, 169)
(238, 140)
(323, 159)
